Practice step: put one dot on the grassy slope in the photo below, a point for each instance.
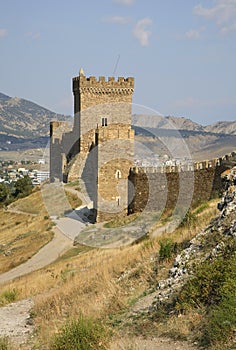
(96, 282)
(25, 228)
(21, 233)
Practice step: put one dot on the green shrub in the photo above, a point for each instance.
(167, 248)
(189, 220)
(8, 296)
(23, 187)
(220, 321)
(4, 192)
(201, 208)
(5, 344)
(82, 334)
(212, 290)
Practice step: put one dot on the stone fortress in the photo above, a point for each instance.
(99, 151)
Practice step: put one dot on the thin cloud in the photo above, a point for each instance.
(118, 19)
(141, 32)
(3, 32)
(125, 2)
(223, 13)
(228, 29)
(33, 36)
(194, 33)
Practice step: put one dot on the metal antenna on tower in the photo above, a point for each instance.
(117, 61)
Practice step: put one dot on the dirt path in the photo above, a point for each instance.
(139, 343)
(148, 342)
(49, 253)
(15, 321)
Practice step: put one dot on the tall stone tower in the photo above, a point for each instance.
(100, 103)
(99, 148)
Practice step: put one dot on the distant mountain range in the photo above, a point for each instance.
(181, 123)
(25, 125)
(24, 119)
(204, 142)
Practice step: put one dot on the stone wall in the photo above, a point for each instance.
(97, 99)
(94, 99)
(158, 189)
(115, 148)
(102, 155)
(57, 149)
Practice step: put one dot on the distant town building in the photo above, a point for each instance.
(40, 176)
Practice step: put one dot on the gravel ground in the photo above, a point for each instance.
(15, 321)
(139, 343)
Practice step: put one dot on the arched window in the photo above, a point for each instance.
(118, 174)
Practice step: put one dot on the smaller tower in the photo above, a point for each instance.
(115, 157)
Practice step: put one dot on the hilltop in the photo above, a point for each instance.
(159, 134)
(25, 119)
(222, 127)
(180, 123)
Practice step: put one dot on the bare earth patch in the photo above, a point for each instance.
(15, 321)
(139, 343)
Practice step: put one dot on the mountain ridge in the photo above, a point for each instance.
(25, 124)
(25, 119)
(182, 123)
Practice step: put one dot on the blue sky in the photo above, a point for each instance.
(181, 53)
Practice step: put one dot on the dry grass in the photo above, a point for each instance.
(181, 326)
(88, 283)
(202, 220)
(22, 235)
(38, 202)
(97, 282)
(32, 204)
(73, 199)
(121, 221)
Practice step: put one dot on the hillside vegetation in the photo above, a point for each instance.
(25, 125)
(22, 233)
(99, 287)
(179, 285)
(23, 118)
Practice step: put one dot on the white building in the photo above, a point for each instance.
(42, 175)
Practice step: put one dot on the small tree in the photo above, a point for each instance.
(4, 193)
(23, 187)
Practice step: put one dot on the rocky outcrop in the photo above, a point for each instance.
(224, 224)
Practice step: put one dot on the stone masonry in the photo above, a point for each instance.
(98, 150)
(158, 189)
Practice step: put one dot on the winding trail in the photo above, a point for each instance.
(15, 319)
(45, 256)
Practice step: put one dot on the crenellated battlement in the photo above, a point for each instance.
(206, 164)
(159, 187)
(101, 85)
(111, 81)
